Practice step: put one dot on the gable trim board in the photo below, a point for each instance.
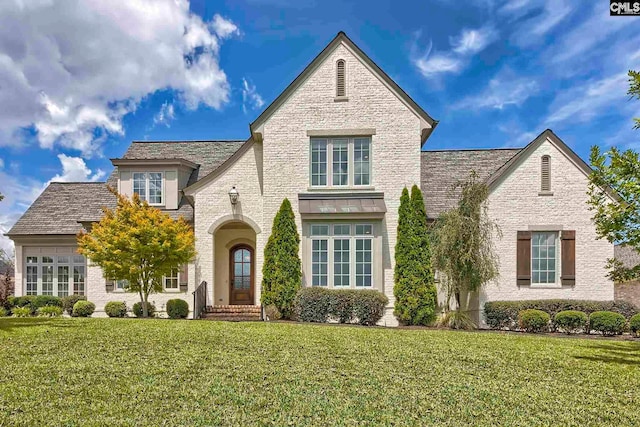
(428, 124)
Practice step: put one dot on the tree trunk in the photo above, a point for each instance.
(145, 306)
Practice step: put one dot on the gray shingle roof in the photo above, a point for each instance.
(209, 155)
(629, 256)
(61, 205)
(441, 170)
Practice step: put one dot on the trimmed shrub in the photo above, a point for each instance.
(177, 309)
(533, 320)
(137, 309)
(83, 309)
(50, 311)
(24, 301)
(607, 322)
(116, 309)
(320, 305)
(69, 301)
(3, 312)
(281, 269)
(571, 321)
(21, 311)
(504, 314)
(46, 301)
(634, 325)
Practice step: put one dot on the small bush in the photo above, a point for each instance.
(3, 312)
(634, 325)
(21, 311)
(137, 309)
(533, 320)
(69, 301)
(571, 321)
(177, 309)
(83, 309)
(46, 301)
(607, 322)
(365, 307)
(50, 311)
(24, 301)
(272, 312)
(116, 309)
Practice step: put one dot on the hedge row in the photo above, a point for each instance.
(571, 321)
(365, 307)
(504, 314)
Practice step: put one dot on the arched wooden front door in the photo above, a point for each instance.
(241, 275)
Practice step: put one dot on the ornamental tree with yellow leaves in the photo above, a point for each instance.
(138, 243)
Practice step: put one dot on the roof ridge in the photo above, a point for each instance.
(186, 140)
(78, 182)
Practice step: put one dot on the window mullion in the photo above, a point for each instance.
(330, 258)
(329, 163)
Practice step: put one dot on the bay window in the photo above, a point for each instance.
(340, 162)
(54, 275)
(342, 255)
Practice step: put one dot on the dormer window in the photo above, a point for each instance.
(149, 186)
(545, 175)
(341, 90)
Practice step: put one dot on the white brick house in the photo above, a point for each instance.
(341, 142)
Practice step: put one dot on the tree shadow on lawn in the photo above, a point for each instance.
(9, 324)
(614, 353)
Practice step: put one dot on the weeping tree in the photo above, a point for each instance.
(463, 250)
(281, 270)
(414, 288)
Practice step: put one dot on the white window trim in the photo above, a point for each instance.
(331, 237)
(350, 163)
(147, 187)
(55, 264)
(558, 281)
(171, 290)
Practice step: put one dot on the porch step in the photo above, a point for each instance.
(233, 313)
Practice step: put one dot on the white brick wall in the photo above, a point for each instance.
(516, 205)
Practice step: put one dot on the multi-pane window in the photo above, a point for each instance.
(339, 162)
(544, 259)
(121, 284)
(351, 260)
(149, 186)
(54, 275)
(171, 282)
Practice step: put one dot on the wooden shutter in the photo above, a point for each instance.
(568, 276)
(109, 285)
(340, 78)
(184, 277)
(545, 184)
(523, 259)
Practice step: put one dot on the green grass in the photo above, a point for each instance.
(160, 372)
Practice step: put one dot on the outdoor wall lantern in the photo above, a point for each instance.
(234, 195)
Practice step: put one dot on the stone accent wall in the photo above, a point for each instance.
(629, 291)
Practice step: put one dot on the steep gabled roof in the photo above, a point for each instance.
(442, 169)
(341, 37)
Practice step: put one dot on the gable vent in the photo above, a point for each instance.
(340, 78)
(546, 173)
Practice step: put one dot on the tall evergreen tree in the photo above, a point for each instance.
(281, 271)
(414, 287)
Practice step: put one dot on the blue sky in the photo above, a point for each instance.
(78, 82)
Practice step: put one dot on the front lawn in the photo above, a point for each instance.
(161, 372)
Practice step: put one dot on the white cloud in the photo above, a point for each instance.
(1, 163)
(166, 114)
(21, 190)
(468, 43)
(536, 18)
(73, 69)
(251, 99)
(505, 89)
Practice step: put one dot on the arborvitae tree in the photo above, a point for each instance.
(281, 270)
(414, 288)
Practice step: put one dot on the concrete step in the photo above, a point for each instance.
(228, 317)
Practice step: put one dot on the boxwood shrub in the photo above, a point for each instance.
(634, 325)
(69, 301)
(365, 307)
(571, 321)
(83, 309)
(504, 314)
(46, 301)
(116, 309)
(534, 321)
(607, 322)
(137, 309)
(177, 309)
(50, 311)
